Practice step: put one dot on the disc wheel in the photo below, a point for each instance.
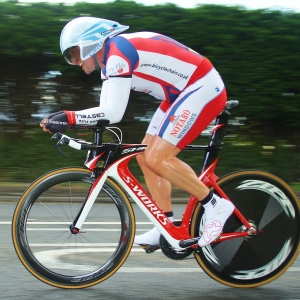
(270, 205)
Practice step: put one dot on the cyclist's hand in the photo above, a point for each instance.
(56, 122)
(46, 120)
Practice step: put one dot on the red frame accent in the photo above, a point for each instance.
(93, 162)
(217, 127)
(177, 232)
(208, 177)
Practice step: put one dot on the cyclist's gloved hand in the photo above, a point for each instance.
(46, 120)
(57, 122)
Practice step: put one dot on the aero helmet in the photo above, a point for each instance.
(89, 33)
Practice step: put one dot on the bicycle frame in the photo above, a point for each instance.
(111, 160)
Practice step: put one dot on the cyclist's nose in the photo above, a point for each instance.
(76, 61)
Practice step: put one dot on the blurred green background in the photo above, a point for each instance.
(255, 51)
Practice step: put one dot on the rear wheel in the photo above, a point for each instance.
(270, 205)
(44, 242)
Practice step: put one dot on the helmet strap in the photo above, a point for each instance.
(96, 62)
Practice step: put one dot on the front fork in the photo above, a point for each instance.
(89, 201)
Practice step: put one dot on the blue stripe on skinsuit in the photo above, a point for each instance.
(173, 110)
(172, 93)
(125, 47)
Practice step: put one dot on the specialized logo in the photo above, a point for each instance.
(182, 123)
(160, 216)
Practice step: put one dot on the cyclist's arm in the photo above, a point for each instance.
(113, 102)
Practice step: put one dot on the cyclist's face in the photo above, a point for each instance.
(75, 56)
(87, 66)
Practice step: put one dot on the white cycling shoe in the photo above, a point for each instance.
(217, 211)
(150, 237)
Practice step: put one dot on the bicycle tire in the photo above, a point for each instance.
(45, 244)
(271, 205)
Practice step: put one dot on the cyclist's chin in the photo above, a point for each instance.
(87, 70)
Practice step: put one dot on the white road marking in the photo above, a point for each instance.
(52, 256)
(68, 223)
(85, 245)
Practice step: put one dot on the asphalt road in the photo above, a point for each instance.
(143, 276)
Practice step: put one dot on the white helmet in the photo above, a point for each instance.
(89, 33)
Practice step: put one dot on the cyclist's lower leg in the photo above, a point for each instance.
(160, 190)
(160, 157)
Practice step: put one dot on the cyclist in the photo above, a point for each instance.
(192, 95)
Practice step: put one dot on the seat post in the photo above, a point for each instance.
(216, 140)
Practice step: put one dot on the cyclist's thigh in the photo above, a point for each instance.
(193, 110)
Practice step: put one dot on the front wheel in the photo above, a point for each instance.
(270, 205)
(44, 242)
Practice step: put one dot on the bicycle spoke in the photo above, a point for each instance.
(52, 212)
(51, 252)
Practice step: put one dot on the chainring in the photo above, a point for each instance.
(170, 252)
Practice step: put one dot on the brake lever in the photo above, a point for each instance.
(61, 141)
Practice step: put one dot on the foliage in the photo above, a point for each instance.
(255, 51)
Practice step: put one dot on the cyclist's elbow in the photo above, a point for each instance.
(113, 115)
(114, 120)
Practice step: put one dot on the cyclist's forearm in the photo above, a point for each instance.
(113, 103)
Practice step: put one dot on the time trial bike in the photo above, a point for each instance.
(74, 227)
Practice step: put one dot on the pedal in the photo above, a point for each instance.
(150, 248)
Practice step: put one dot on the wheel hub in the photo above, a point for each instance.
(73, 229)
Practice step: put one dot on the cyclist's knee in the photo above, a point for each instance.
(158, 154)
(141, 157)
(154, 161)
